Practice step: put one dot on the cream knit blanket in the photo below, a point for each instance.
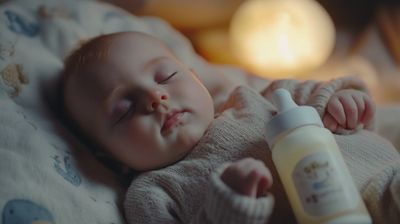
(190, 191)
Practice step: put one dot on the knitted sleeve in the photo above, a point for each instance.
(153, 204)
(149, 204)
(223, 205)
(314, 93)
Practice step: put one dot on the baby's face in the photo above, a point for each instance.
(140, 103)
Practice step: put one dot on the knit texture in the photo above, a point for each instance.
(190, 191)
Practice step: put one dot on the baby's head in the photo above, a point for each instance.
(130, 95)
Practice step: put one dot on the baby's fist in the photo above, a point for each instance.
(248, 177)
(347, 109)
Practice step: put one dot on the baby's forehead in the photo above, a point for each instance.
(102, 45)
(111, 49)
(131, 37)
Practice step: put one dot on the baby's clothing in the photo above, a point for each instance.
(190, 191)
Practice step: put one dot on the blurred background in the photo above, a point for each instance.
(302, 39)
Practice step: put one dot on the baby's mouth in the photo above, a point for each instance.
(172, 119)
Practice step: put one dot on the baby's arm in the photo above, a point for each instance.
(159, 199)
(347, 109)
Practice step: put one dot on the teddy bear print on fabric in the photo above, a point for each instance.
(18, 211)
(45, 11)
(14, 78)
(7, 49)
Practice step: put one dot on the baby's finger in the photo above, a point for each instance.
(350, 108)
(335, 108)
(330, 122)
(252, 184)
(258, 170)
(266, 175)
(359, 100)
(265, 181)
(259, 179)
(254, 177)
(369, 110)
(263, 185)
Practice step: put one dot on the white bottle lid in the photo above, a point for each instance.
(289, 116)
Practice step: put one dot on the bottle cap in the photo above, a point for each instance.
(289, 116)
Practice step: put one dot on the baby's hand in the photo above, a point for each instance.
(248, 177)
(347, 109)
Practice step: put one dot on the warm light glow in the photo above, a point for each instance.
(281, 37)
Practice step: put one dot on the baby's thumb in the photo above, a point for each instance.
(264, 184)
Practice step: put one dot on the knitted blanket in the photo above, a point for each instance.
(190, 191)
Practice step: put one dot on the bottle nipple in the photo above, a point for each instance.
(283, 100)
(289, 115)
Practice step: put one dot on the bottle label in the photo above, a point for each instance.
(323, 186)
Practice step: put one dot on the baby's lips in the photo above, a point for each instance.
(170, 119)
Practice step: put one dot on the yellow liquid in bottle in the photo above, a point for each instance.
(316, 179)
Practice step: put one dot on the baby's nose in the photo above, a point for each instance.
(157, 100)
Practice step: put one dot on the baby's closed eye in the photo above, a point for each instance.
(164, 80)
(122, 109)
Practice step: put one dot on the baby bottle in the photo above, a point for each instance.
(311, 167)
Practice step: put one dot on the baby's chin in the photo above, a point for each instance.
(185, 142)
(180, 155)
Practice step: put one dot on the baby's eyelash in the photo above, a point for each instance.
(128, 112)
(169, 77)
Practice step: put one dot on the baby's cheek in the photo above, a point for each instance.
(189, 135)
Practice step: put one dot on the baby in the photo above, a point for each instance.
(137, 102)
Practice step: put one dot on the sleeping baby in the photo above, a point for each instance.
(130, 96)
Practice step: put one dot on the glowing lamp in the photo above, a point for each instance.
(281, 37)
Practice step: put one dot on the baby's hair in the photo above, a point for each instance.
(86, 51)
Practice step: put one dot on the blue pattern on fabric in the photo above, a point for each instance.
(18, 211)
(20, 25)
(67, 171)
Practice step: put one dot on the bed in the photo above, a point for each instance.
(47, 174)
